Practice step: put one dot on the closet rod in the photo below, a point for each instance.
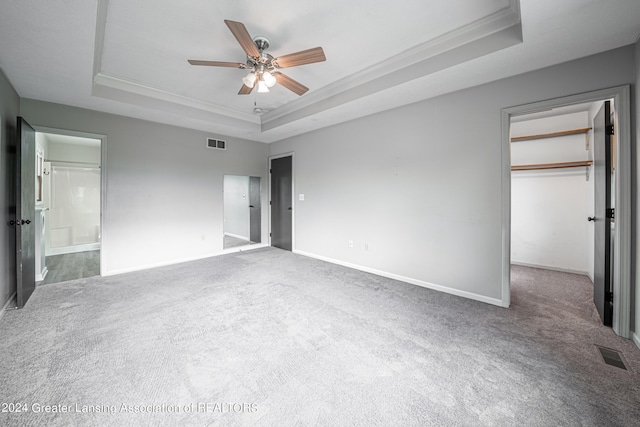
(558, 165)
(551, 135)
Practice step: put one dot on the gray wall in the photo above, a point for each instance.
(164, 200)
(9, 109)
(421, 184)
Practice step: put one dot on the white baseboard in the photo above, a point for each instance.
(237, 236)
(40, 276)
(181, 260)
(7, 304)
(636, 339)
(73, 249)
(548, 267)
(440, 288)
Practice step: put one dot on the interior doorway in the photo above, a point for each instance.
(620, 182)
(68, 206)
(242, 211)
(281, 202)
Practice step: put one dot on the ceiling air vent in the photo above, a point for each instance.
(216, 143)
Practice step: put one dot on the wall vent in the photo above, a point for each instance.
(216, 143)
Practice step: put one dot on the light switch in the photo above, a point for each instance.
(301, 197)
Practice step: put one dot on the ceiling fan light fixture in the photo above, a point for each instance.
(262, 86)
(268, 79)
(250, 79)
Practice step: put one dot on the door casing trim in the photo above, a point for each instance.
(103, 182)
(622, 176)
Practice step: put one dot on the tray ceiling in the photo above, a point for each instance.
(130, 58)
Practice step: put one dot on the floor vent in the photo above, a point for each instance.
(216, 143)
(612, 357)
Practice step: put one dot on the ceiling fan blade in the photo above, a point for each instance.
(308, 56)
(241, 34)
(217, 63)
(245, 90)
(290, 84)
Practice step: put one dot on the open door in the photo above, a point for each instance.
(25, 213)
(603, 214)
(281, 202)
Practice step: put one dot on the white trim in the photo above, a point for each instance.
(622, 261)
(74, 249)
(548, 267)
(433, 286)
(41, 275)
(112, 82)
(505, 122)
(103, 178)
(429, 51)
(182, 260)
(68, 132)
(237, 236)
(293, 195)
(636, 339)
(103, 204)
(4, 309)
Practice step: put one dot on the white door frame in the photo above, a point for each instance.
(103, 179)
(293, 195)
(622, 176)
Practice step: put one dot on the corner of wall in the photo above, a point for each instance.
(635, 196)
(6, 306)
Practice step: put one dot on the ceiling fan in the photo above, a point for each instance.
(265, 69)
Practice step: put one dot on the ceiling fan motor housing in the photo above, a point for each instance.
(265, 62)
(262, 43)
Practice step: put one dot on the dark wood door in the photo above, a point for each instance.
(255, 211)
(281, 202)
(25, 212)
(602, 283)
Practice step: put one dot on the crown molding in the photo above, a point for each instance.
(505, 21)
(486, 35)
(109, 81)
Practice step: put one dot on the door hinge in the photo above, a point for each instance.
(269, 202)
(270, 170)
(269, 234)
(609, 130)
(608, 296)
(611, 213)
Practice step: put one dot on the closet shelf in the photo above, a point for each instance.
(558, 165)
(550, 135)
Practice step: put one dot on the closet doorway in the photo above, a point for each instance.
(68, 207)
(242, 211)
(551, 198)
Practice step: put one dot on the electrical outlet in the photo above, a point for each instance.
(367, 247)
(350, 243)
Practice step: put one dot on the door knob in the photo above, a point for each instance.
(592, 218)
(251, 206)
(11, 223)
(22, 222)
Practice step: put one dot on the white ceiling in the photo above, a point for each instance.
(130, 57)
